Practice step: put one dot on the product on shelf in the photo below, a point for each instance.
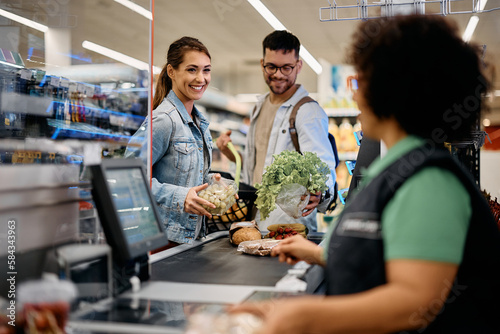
(36, 104)
(347, 141)
(333, 128)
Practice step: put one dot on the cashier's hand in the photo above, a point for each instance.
(193, 203)
(279, 316)
(313, 203)
(297, 248)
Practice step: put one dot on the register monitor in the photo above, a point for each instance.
(127, 209)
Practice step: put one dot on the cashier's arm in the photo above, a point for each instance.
(415, 292)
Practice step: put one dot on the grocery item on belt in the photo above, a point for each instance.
(220, 193)
(244, 231)
(283, 231)
(260, 247)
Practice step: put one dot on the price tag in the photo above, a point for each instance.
(72, 87)
(81, 87)
(55, 81)
(92, 154)
(26, 74)
(64, 83)
(39, 76)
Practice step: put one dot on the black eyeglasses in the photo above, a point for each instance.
(285, 69)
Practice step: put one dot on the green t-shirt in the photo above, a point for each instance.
(428, 217)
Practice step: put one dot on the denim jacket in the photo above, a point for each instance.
(312, 129)
(178, 164)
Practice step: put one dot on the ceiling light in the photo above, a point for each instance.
(22, 20)
(471, 26)
(277, 25)
(310, 60)
(267, 15)
(480, 4)
(119, 57)
(10, 64)
(497, 92)
(136, 8)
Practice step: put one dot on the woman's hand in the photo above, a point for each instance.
(193, 203)
(297, 248)
(313, 203)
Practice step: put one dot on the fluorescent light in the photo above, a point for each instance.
(156, 70)
(310, 60)
(277, 25)
(119, 57)
(136, 8)
(22, 20)
(480, 4)
(471, 26)
(10, 64)
(267, 15)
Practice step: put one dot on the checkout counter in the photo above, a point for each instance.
(158, 293)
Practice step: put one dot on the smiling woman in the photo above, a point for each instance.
(181, 143)
(191, 78)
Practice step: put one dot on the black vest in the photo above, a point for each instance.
(356, 256)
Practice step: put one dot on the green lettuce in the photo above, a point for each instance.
(290, 167)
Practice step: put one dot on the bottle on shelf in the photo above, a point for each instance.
(333, 128)
(347, 141)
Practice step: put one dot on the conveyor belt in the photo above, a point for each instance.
(218, 262)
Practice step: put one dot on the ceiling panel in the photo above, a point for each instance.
(233, 32)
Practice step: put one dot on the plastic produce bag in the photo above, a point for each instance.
(261, 247)
(220, 193)
(292, 199)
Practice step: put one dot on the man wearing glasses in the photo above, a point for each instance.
(269, 131)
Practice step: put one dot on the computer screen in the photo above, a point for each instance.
(126, 207)
(133, 204)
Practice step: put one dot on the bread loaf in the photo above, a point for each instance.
(245, 234)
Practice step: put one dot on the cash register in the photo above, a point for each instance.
(130, 221)
(132, 227)
(129, 218)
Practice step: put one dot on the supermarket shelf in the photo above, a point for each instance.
(343, 156)
(342, 112)
(84, 131)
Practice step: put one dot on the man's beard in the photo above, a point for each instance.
(285, 85)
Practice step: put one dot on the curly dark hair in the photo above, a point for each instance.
(417, 69)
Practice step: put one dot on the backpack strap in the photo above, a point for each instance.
(293, 115)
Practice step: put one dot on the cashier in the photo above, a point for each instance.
(416, 248)
(181, 142)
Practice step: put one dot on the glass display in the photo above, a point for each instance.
(60, 80)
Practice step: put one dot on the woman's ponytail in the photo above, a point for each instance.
(163, 87)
